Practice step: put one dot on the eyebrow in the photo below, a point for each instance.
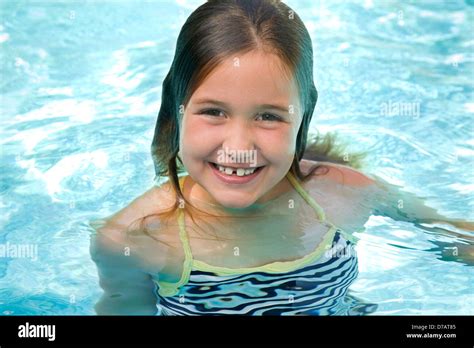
(225, 105)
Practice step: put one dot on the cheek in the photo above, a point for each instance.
(278, 146)
(193, 133)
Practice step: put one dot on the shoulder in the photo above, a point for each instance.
(343, 192)
(112, 241)
(154, 200)
(338, 174)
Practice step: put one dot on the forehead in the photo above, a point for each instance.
(252, 78)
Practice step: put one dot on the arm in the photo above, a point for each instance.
(128, 289)
(405, 206)
(124, 267)
(400, 205)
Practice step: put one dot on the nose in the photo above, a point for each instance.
(238, 136)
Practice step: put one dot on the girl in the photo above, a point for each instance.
(268, 232)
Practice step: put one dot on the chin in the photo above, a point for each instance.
(228, 202)
(235, 205)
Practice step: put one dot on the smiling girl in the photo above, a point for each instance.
(266, 233)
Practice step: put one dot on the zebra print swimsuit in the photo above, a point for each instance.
(316, 284)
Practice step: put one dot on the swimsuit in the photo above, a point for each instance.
(315, 284)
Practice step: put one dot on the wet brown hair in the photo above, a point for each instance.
(214, 32)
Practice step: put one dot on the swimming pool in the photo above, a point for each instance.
(80, 92)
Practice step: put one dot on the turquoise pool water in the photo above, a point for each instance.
(80, 90)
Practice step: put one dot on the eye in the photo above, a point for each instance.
(210, 112)
(269, 117)
(261, 117)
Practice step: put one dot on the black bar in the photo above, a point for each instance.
(297, 331)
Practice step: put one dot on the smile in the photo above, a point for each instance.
(231, 175)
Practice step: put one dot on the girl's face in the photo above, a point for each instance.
(245, 114)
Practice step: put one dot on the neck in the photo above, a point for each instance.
(275, 198)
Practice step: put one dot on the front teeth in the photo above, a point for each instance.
(240, 171)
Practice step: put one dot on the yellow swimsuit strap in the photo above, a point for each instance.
(170, 288)
(307, 197)
(317, 208)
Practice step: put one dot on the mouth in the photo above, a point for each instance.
(231, 175)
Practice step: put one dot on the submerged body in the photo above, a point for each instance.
(296, 258)
(313, 284)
